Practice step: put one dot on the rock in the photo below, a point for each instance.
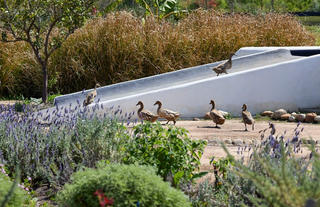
(277, 114)
(317, 119)
(300, 117)
(267, 113)
(196, 119)
(310, 117)
(292, 119)
(207, 116)
(227, 141)
(237, 142)
(293, 114)
(285, 116)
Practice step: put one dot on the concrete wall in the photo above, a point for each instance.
(291, 85)
(177, 78)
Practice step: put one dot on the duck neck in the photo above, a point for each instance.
(159, 107)
(140, 109)
(213, 106)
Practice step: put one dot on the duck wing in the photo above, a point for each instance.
(247, 117)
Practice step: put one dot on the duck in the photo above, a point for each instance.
(223, 67)
(144, 114)
(247, 117)
(91, 96)
(216, 115)
(166, 114)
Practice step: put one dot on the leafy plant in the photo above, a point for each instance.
(43, 25)
(276, 174)
(10, 194)
(169, 150)
(127, 185)
(50, 146)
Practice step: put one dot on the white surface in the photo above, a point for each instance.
(264, 81)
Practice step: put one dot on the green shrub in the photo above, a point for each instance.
(170, 150)
(125, 184)
(17, 198)
(50, 153)
(276, 174)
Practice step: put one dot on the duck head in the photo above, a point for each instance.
(158, 103)
(244, 107)
(212, 103)
(139, 103)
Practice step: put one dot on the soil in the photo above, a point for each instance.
(233, 135)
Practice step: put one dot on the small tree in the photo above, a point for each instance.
(43, 24)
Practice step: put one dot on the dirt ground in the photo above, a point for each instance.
(233, 135)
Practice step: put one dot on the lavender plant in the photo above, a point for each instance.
(276, 174)
(50, 145)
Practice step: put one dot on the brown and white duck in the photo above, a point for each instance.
(91, 96)
(247, 117)
(166, 113)
(223, 67)
(144, 114)
(216, 115)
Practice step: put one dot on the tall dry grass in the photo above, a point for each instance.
(122, 47)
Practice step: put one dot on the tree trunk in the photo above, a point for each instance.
(45, 83)
(272, 5)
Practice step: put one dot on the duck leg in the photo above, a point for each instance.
(168, 122)
(217, 126)
(245, 125)
(174, 122)
(252, 126)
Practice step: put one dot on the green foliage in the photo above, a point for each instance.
(50, 154)
(125, 184)
(43, 24)
(10, 194)
(52, 97)
(276, 174)
(170, 150)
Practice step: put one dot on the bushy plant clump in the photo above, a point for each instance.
(126, 185)
(123, 47)
(10, 194)
(175, 156)
(275, 175)
(49, 146)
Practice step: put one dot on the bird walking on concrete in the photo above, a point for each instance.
(91, 96)
(144, 114)
(223, 67)
(166, 113)
(247, 117)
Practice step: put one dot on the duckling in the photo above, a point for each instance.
(247, 118)
(145, 114)
(223, 67)
(91, 95)
(167, 114)
(216, 115)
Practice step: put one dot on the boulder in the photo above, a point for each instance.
(292, 119)
(285, 116)
(267, 113)
(300, 117)
(207, 116)
(278, 113)
(310, 117)
(317, 119)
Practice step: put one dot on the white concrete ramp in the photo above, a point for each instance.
(263, 80)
